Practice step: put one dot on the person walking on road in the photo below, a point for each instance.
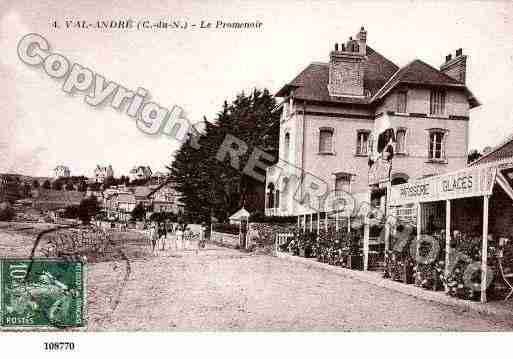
(162, 235)
(153, 237)
(179, 236)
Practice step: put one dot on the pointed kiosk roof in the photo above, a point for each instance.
(241, 213)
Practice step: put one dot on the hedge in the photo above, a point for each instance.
(261, 218)
(226, 228)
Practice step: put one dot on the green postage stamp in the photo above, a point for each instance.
(41, 293)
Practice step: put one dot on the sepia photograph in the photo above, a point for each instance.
(287, 173)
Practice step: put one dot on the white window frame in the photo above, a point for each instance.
(286, 146)
(360, 149)
(398, 104)
(437, 102)
(346, 177)
(331, 151)
(398, 150)
(443, 142)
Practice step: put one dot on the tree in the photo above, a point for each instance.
(138, 213)
(72, 212)
(35, 184)
(210, 187)
(69, 186)
(88, 208)
(25, 190)
(473, 155)
(95, 186)
(57, 185)
(6, 211)
(163, 216)
(47, 185)
(82, 186)
(109, 181)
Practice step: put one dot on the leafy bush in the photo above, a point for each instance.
(259, 217)
(6, 212)
(226, 228)
(163, 216)
(88, 208)
(71, 212)
(138, 213)
(399, 260)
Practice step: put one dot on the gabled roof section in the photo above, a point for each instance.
(418, 72)
(380, 77)
(312, 83)
(241, 213)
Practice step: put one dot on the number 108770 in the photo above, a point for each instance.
(59, 346)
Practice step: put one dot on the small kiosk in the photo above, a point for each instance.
(475, 202)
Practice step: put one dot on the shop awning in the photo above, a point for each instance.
(469, 182)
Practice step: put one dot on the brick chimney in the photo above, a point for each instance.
(347, 67)
(455, 67)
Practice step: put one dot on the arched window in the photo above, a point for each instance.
(286, 147)
(270, 195)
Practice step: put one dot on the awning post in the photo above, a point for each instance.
(447, 238)
(366, 232)
(484, 250)
(419, 228)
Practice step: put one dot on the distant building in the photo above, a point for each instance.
(10, 187)
(61, 171)
(48, 200)
(165, 198)
(158, 178)
(101, 173)
(140, 173)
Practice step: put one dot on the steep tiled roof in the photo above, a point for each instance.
(312, 83)
(501, 152)
(418, 72)
(381, 76)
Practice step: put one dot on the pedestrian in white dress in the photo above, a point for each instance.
(179, 237)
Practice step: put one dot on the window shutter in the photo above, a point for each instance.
(429, 144)
(444, 142)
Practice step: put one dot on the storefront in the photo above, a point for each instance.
(473, 205)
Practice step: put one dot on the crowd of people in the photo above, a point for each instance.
(173, 236)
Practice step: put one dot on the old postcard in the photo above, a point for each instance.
(277, 166)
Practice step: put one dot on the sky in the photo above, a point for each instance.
(198, 69)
